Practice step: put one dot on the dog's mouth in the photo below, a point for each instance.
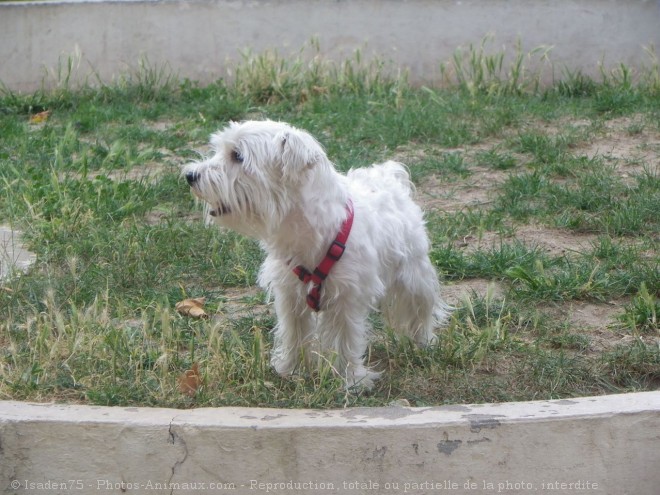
(222, 209)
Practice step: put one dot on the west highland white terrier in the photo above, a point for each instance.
(338, 246)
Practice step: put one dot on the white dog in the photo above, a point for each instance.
(338, 246)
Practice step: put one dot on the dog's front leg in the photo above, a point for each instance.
(293, 334)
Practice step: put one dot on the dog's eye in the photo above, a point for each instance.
(236, 156)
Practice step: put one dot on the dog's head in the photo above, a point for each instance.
(256, 174)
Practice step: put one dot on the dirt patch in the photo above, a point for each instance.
(161, 125)
(589, 316)
(629, 145)
(162, 213)
(237, 303)
(599, 322)
(149, 172)
(556, 242)
(553, 242)
(477, 190)
(455, 293)
(449, 193)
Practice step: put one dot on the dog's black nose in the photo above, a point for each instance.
(192, 177)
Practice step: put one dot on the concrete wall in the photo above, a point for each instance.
(605, 445)
(197, 38)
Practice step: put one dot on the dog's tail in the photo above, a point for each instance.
(400, 173)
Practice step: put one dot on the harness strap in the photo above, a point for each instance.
(333, 255)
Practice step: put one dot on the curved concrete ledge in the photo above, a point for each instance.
(607, 444)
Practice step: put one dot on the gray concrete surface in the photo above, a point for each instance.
(605, 445)
(13, 255)
(200, 39)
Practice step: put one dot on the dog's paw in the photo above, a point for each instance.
(361, 379)
(427, 341)
(284, 365)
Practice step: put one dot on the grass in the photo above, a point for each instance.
(96, 190)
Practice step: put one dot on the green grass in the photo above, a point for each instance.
(94, 320)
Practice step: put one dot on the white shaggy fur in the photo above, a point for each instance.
(274, 182)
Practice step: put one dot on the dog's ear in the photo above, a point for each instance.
(300, 151)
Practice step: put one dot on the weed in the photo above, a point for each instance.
(478, 72)
(634, 367)
(497, 160)
(641, 315)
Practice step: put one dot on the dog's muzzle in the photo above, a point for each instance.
(192, 178)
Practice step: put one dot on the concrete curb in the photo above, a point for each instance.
(606, 444)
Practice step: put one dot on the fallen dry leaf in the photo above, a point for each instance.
(190, 381)
(192, 307)
(40, 117)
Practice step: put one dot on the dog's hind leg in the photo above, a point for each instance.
(413, 306)
(346, 333)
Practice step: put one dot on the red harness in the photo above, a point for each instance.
(333, 255)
